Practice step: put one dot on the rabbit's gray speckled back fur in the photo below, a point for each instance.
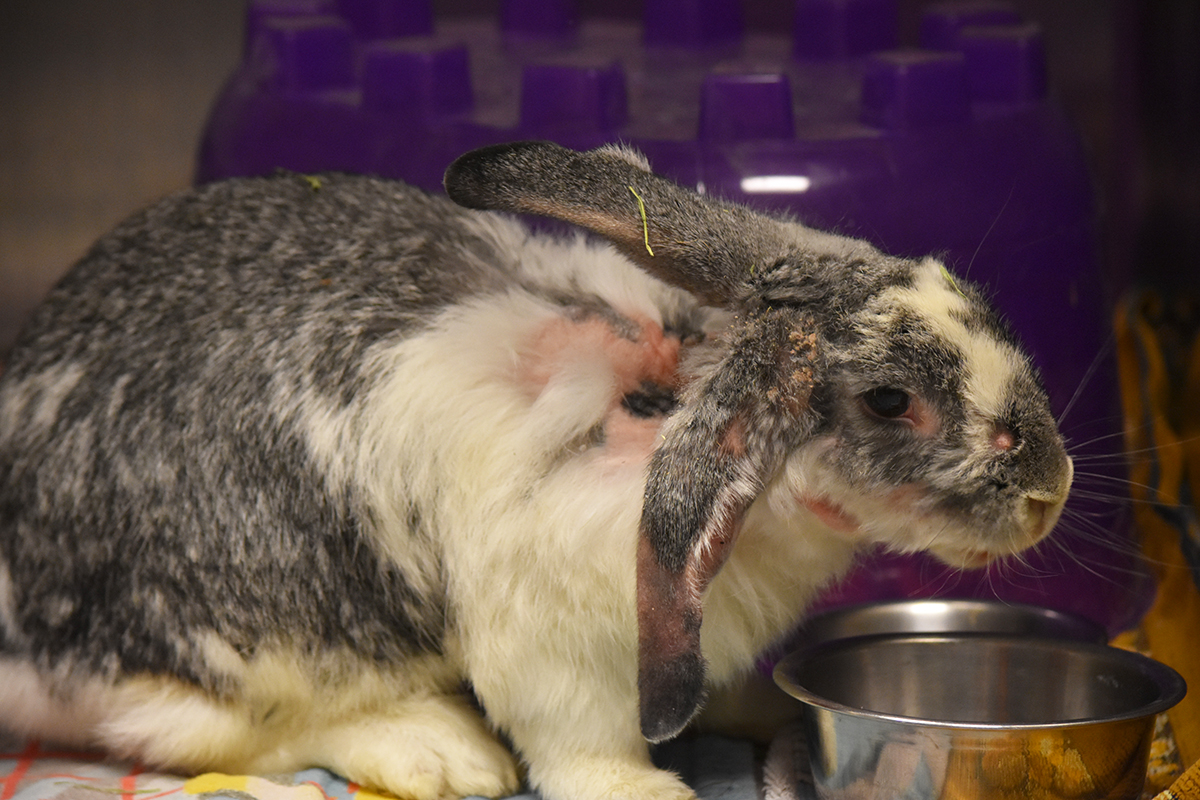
(184, 352)
(292, 467)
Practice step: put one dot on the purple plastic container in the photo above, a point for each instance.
(950, 148)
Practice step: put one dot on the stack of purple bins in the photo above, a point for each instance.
(950, 147)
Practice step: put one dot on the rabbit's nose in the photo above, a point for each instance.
(1003, 439)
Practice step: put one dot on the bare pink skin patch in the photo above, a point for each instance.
(653, 357)
(1003, 439)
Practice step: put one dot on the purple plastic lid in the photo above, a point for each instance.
(841, 29)
(539, 20)
(424, 81)
(696, 24)
(1005, 63)
(746, 106)
(305, 54)
(572, 98)
(905, 89)
(941, 23)
(258, 12)
(387, 19)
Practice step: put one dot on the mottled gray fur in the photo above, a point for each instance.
(153, 482)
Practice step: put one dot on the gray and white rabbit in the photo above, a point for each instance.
(322, 470)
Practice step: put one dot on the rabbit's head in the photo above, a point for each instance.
(880, 395)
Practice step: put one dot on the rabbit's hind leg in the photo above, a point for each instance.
(410, 740)
(159, 721)
(405, 733)
(424, 746)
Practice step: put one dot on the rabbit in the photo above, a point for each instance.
(323, 470)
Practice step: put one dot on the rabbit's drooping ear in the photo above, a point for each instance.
(730, 435)
(736, 421)
(672, 233)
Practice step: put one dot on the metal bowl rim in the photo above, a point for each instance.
(1171, 683)
(1096, 632)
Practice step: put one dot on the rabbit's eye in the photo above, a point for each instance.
(887, 402)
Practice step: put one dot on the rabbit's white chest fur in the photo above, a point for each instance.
(538, 404)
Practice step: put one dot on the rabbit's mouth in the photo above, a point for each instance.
(977, 559)
(965, 558)
(905, 527)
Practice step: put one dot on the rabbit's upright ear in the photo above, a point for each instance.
(672, 233)
(737, 421)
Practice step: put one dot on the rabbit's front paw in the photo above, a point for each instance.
(424, 749)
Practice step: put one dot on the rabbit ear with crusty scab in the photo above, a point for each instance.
(736, 422)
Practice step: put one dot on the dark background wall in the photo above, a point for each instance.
(102, 103)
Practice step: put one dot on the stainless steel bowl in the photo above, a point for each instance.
(949, 616)
(939, 717)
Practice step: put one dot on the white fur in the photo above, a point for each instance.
(547, 647)
(541, 580)
(990, 363)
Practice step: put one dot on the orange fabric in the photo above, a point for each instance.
(1186, 788)
(1160, 390)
